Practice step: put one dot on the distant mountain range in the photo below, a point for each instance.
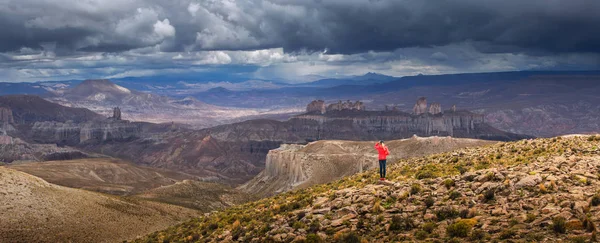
(541, 103)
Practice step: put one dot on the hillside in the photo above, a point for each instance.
(106, 175)
(301, 166)
(530, 190)
(203, 196)
(33, 210)
(28, 109)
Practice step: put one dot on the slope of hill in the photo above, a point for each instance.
(33, 210)
(106, 175)
(300, 166)
(28, 109)
(203, 196)
(530, 190)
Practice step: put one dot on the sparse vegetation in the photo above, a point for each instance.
(559, 225)
(377, 206)
(460, 228)
(402, 223)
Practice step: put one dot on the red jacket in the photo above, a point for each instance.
(383, 151)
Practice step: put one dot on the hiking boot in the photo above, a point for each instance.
(381, 178)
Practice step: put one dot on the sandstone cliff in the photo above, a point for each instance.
(299, 166)
(75, 133)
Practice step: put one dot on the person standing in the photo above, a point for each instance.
(383, 153)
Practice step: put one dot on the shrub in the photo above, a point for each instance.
(507, 234)
(595, 200)
(429, 227)
(478, 235)
(446, 213)
(449, 183)
(298, 225)
(459, 229)
(454, 195)
(530, 218)
(402, 223)
(489, 195)
(350, 238)
(559, 225)
(579, 239)
(376, 207)
(429, 202)
(421, 235)
(415, 188)
(313, 238)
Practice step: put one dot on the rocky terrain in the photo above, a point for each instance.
(541, 190)
(105, 175)
(33, 210)
(300, 166)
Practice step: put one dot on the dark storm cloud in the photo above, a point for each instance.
(340, 26)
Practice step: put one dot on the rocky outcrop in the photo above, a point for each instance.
(18, 150)
(435, 108)
(421, 106)
(75, 133)
(316, 106)
(299, 166)
(348, 105)
(5, 139)
(6, 115)
(116, 114)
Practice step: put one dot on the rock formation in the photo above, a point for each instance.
(74, 133)
(348, 105)
(116, 113)
(420, 106)
(5, 139)
(299, 166)
(453, 108)
(6, 115)
(435, 108)
(317, 106)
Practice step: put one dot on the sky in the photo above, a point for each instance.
(292, 40)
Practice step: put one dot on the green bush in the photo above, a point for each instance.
(559, 225)
(595, 200)
(459, 229)
(415, 188)
(489, 195)
(313, 238)
(421, 235)
(454, 195)
(507, 234)
(449, 183)
(402, 223)
(350, 238)
(429, 202)
(446, 213)
(429, 227)
(478, 235)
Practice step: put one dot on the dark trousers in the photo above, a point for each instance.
(382, 168)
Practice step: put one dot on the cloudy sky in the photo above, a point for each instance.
(292, 40)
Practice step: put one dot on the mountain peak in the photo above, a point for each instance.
(95, 86)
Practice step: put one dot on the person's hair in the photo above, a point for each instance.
(381, 141)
